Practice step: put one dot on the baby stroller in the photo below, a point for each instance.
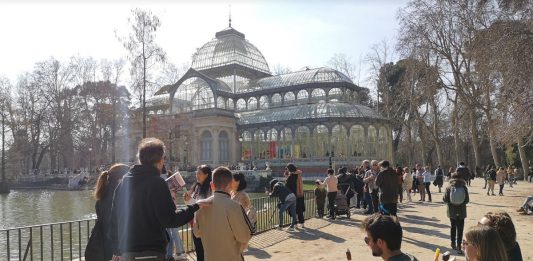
(341, 205)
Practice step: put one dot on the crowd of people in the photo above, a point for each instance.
(138, 217)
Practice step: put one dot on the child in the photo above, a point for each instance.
(320, 198)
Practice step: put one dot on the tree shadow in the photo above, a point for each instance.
(424, 231)
(419, 218)
(488, 205)
(426, 245)
(415, 221)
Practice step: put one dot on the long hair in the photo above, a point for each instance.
(109, 178)
(206, 186)
(487, 240)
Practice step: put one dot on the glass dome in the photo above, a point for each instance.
(229, 47)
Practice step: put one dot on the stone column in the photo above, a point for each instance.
(215, 146)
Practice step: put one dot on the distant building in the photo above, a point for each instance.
(229, 108)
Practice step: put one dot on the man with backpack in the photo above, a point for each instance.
(456, 198)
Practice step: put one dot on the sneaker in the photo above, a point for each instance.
(454, 247)
(181, 256)
(291, 228)
(459, 251)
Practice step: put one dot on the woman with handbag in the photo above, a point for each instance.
(99, 246)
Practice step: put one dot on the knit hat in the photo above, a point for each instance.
(273, 183)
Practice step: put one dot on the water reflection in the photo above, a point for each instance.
(31, 207)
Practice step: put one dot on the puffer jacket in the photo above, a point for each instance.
(453, 211)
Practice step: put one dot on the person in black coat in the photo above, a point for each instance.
(345, 184)
(358, 185)
(99, 246)
(143, 207)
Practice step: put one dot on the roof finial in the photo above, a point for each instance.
(229, 15)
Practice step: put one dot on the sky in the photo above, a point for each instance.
(293, 34)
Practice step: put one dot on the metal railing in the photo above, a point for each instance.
(67, 240)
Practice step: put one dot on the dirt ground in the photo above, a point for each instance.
(425, 228)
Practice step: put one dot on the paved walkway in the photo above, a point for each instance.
(425, 227)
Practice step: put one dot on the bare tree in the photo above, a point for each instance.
(279, 69)
(144, 53)
(342, 63)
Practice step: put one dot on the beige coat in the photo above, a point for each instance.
(501, 177)
(224, 229)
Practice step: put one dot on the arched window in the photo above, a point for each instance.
(206, 141)
(230, 104)
(357, 137)
(339, 139)
(272, 139)
(260, 144)
(372, 138)
(285, 140)
(382, 142)
(223, 146)
(320, 138)
(318, 95)
(335, 94)
(302, 96)
(221, 103)
(241, 105)
(246, 145)
(289, 98)
(252, 103)
(302, 143)
(276, 99)
(193, 94)
(263, 102)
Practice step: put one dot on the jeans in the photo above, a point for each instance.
(175, 242)
(427, 185)
(331, 203)
(375, 200)
(501, 188)
(456, 231)
(408, 194)
(290, 206)
(359, 198)
(368, 200)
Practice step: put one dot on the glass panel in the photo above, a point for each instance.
(263, 102)
(320, 138)
(372, 137)
(318, 95)
(302, 146)
(223, 146)
(193, 94)
(205, 146)
(357, 136)
(289, 98)
(339, 140)
(252, 103)
(276, 99)
(241, 105)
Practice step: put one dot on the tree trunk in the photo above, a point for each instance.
(455, 121)
(523, 159)
(475, 139)
(422, 142)
(492, 142)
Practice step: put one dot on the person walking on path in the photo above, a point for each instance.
(456, 197)
(407, 183)
(439, 178)
(143, 208)
(420, 181)
(296, 185)
(486, 176)
(224, 228)
(427, 182)
(331, 187)
(510, 175)
(389, 184)
(464, 172)
(370, 181)
(287, 202)
(320, 198)
(399, 172)
(492, 180)
(200, 190)
(99, 245)
(501, 178)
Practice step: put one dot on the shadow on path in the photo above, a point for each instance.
(314, 234)
(426, 245)
(424, 231)
(257, 253)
